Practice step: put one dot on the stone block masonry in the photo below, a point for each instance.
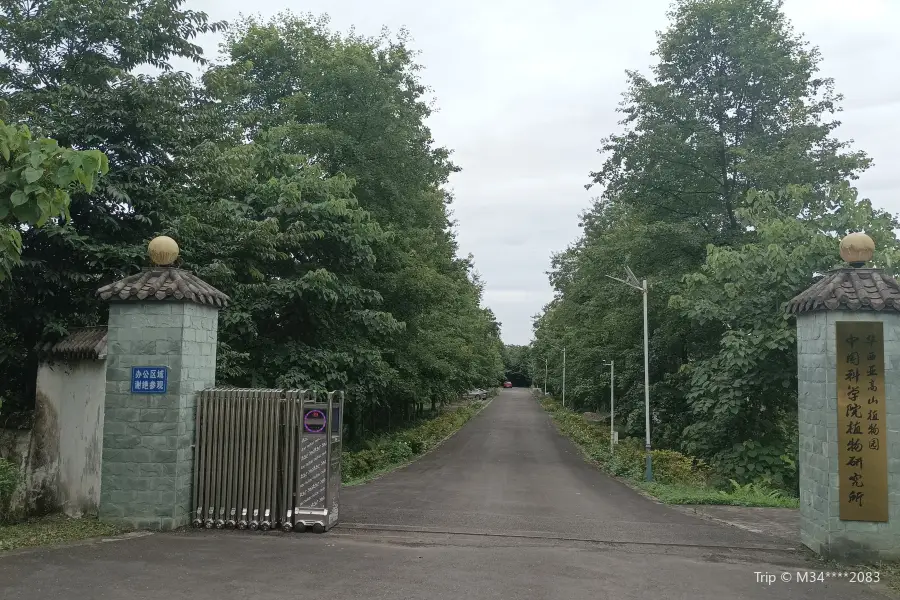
(821, 528)
(147, 438)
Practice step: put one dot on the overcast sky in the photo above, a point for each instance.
(526, 94)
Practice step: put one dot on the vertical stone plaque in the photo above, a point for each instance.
(862, 422)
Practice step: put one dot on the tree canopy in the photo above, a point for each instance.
(519, 365)
(298, 176)
(36, 176)
(728, 190)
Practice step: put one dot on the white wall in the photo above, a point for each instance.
(68, 436)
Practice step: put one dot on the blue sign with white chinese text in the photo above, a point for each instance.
(149, 380)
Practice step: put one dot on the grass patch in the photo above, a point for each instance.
(747, 495)
(390, 451)
(678, 479)
(57, 529)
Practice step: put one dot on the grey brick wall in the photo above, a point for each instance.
(820, 526)
(147, 455)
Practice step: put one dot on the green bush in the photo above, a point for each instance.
(753, 462)
(625, 462)
(751, 494)
(674, 467)
(628, 458)
(397, 448)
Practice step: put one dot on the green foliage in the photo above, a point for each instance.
(735, 104)
(678, 479)
(286, 209)
(326, 156)
(519, 365)
(743, 391)
(669, 465)
(67, 69)
(628, 456)
(298, 177)
(728, 191)
(35, 178)
(751, 494)
(394, 449)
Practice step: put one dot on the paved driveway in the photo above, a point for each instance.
(506, 509)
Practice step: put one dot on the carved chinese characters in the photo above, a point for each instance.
(862, 424)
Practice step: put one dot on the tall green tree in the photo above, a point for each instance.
(743, 392)
(354, 106)
(288, 243)
(68, 72)
(734, 104)
(299, 176)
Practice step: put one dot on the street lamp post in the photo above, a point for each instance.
(564, 378)
(642, 287)
(545, 376)
(531, 375)
(612, 407)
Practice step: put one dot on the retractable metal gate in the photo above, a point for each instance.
(267, 459)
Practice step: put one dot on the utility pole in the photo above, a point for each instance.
(612, 406)
(642, 287)
(531, 374)
(649, 461)
(564, 378)
(545, 376)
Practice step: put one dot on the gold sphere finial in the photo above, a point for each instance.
(163, 251)
(857, 249)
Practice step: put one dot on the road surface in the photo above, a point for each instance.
(505, 509)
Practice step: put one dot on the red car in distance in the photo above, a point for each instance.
(507, 384)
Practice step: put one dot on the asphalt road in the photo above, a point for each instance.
(505, 509)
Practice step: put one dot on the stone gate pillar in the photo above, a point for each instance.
(161, 350)
(848, 336)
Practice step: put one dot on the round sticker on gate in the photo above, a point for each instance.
(314, 421)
